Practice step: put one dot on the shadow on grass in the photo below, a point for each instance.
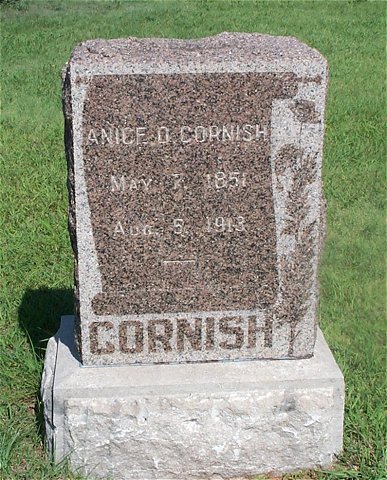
(40, 312)
(39, 317)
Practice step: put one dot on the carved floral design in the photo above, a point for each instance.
(299, 169)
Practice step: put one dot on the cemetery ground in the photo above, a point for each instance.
(35, 252)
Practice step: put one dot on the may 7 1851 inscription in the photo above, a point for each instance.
(195, 197)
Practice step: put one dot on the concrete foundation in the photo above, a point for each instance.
(191, 421)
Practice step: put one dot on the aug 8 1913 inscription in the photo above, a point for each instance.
(195, 197)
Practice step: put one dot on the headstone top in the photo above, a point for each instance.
(228, 51)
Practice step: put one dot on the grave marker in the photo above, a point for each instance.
(195, 193)
(197, 219)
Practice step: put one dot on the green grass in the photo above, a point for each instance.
(35, 254)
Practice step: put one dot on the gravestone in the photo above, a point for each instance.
(197, 222)
(195, 197)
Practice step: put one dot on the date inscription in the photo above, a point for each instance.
(220, 180)
(217, 181)
(178, 227)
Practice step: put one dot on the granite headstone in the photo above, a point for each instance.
(196, 208)
(197, 219)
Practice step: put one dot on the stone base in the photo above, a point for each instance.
(191, 421)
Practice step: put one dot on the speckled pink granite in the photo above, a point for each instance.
(196, 208)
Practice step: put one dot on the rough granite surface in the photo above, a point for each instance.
(216, 420)
(196, 207)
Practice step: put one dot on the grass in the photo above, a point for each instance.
(35, 254)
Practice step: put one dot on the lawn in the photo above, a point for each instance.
(37, 38)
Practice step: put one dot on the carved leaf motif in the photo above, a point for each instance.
(286, 158)
(297, 268)
(305, 112)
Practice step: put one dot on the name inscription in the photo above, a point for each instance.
(140, 135)
(179, 335)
